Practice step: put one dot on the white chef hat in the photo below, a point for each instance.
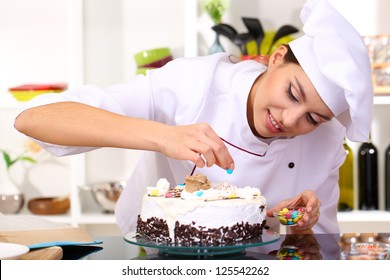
(334, 57)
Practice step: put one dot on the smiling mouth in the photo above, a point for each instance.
(273, 122)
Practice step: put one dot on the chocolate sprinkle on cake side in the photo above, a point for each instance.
(157, 230)
(154, 229)
(188, 234)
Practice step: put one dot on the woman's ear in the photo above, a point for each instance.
(277, 56)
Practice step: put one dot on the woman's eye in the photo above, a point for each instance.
(290, 94)
(312, 120)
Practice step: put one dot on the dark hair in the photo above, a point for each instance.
(290, 56)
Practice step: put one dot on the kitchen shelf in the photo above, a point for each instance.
(382, 100)
(382, 90)
(63, 219)
(83, 219)
(382, 95)
(97, 218)
(364, 221)
(364, 216)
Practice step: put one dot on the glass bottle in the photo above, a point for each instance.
(216, 46)
(387, 179)
(368, 176)
(346, 200)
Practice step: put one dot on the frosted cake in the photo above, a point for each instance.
(199, 211)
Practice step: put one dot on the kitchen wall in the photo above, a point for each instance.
(33, 42)
(34, 34)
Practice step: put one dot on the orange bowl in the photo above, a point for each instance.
(49, 205)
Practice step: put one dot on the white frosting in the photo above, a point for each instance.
(221, 205)
(161, 188)
(223, 190)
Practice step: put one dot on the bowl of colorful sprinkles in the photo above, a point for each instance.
(289, 253)
(290, 216)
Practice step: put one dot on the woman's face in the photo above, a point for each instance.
(284, 102)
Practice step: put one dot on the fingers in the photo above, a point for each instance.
(309, 219)
(211, 149)
(308, 199)
(202, 157)
(198, 143)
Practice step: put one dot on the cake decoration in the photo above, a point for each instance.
(175, 192)
(196, 182)
(161, 188)
(199, 211)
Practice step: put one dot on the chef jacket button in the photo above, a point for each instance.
(291, 165)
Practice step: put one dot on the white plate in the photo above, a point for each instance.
(12, 251)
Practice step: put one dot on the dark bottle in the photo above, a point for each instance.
(368, 176)
(387, 179)
(346, 181)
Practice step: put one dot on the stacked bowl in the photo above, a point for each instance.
(152, 59)
(29, 91)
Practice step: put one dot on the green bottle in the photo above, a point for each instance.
(346, 200)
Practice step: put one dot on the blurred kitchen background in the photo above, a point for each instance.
(76, 42)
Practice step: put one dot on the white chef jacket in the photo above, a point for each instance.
(214, 89)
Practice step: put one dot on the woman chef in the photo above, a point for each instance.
(280, 127)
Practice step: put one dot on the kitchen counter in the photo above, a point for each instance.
(30, 230)
(311, 246)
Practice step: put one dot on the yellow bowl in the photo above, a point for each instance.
(149, 56)
(26, 95)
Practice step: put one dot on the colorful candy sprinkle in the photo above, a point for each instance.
(289, 253)
(154, 192)
(199, 193)
(229, 171)
(290, 217)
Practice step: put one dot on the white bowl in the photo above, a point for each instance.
(12, 251)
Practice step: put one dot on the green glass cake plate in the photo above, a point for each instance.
(207, 250)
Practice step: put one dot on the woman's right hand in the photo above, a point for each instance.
(198, 143)
(77, 124)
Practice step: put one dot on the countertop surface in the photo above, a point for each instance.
(30, 230)
(287, 246)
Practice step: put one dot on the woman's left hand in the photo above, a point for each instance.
(306, 199)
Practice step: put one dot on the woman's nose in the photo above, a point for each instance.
(291, 118)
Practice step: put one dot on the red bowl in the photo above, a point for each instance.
(159, 63)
